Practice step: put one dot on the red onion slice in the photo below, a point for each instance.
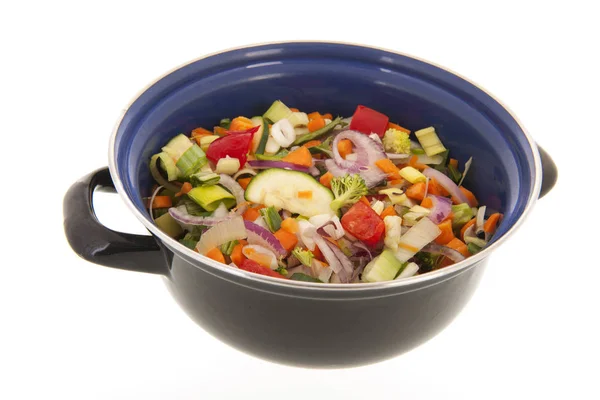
(442, 207)
(446, 183)
(443, 250)
(263, 164)
(337, 260)
(263, 237)
(181, 215)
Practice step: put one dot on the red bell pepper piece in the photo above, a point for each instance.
(367, 121)
(235, 145)
(253, 266)
(364, 224)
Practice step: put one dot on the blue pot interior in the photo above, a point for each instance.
(333, 78)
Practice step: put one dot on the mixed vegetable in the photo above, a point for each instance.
(314, 198)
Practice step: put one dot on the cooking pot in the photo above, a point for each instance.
(303, 323)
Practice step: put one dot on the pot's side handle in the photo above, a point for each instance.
(549, 172)
(96, 243)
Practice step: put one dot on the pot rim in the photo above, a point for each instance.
(414, 280)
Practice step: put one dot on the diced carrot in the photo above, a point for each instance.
(447, 234)
(416, 191)
(288, 240)
(290, 225)
(185, 188)
(397, 127)
(314, 115)
(215, 254)
(365, 201)
(311, 143)
(387, 166)
(427, 202)
(436, 188)
(465, 227)
(470, 196)
(449, 217)
(328, 116)
(219, 130)
(413, 163)
(344, 147)
(237, 257)
(252, 213)
(459, 246)
(388, 211)
(305, 194)
(315, 124)
(396, 182)
(261, 258)
(294, 109)
(240, 124)
(160, 202)
(300, 156)
(325, 180)
(492, 222)
(244, 182)
(199, 133)
(453, 162)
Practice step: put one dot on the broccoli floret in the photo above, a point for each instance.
(347, 190)
(396, 141)
(304, 256)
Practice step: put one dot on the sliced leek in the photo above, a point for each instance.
(430, 141)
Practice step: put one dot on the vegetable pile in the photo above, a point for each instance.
(320, 199)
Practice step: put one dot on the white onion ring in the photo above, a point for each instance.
(283, 132)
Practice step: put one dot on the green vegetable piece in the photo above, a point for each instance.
(177, 146)
(304, 256)
(209, 197)
(191, 161)
(159, 211)
(318, 133)
(323, 148)
(299, 276)
(272, 218)
(262, 134)
(204, 178)
(225, 123)
(168, 165)
(189, 243)
(417, 151)
(277, 111)
(385, 267)
(395, 141)
(454, 173)
(442, 165)
(430, 141)
(227, 248)
(462, 213)
(274, 157)
(168, 225)
(427, 261)
(473, 248)
(282, 270)
(347, 190)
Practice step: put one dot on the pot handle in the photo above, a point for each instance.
(96, 243)
(549, 172)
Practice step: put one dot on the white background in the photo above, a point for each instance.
(73, 330)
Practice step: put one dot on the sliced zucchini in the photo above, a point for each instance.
(191, 160)
(177, 146)
(280, 188)
(259, 140)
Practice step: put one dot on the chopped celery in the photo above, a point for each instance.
(412, 175)
(461, 214)
(209, 197)
(225, 123)
(277, 111)
(204, 179)
(304, 256)
(318, 133)
(282, 270)
(430, 141)
(192, 160)
(385, 267)
(168, 225)
(299, 276)
(227, 248)
(473, 248)
(298, 119)
(228, 166)
(272, 218)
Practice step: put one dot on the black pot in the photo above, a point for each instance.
(303, 323)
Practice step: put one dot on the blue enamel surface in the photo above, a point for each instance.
(333, 78)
